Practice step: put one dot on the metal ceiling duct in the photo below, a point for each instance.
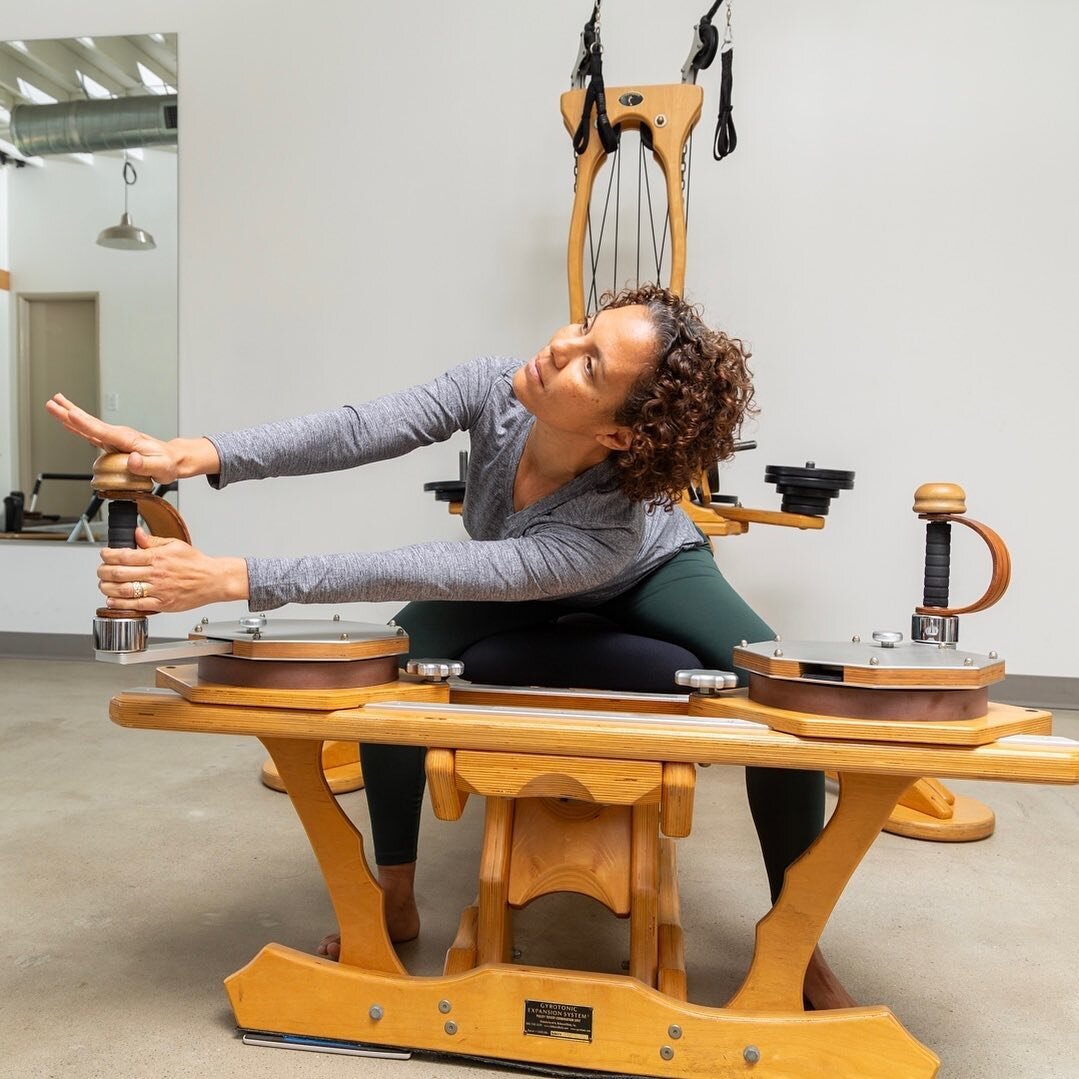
(86, 126)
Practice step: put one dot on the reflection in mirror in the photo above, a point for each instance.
(88, 164)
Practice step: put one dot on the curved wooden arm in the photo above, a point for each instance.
(1002, 566)
(669, 113)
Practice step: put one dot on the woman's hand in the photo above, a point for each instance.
(147, 456)
(167, 575)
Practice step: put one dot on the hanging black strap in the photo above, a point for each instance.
(594, 96)
(726, 137)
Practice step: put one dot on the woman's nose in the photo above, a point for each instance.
(561, 353)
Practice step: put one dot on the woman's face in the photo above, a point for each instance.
(579, 379)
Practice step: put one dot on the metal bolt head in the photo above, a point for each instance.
(257, 635)
(444, 1006)
(751, 1054)
(874, 661)
(344, 636)
(376, 1012)
(661, 120)
(515, 954)
(777, 638)
(197, 629)
(743, 644)
(674, 1031)
(856, 639)
(778, 652)
(666, 1052)
(451, 1027)
(205, 621)
(968, 662)
(337, 618)
(993, 655)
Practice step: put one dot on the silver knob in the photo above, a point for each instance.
(706, 681)
(435, 670)
(253, 622)
(887, 638)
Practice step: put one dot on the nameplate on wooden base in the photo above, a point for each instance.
(548, 1019)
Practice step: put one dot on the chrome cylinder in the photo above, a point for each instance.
(939, 629)
(121, 634)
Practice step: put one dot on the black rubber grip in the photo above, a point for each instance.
(938, 548)
(123, 519)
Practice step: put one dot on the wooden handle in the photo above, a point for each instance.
(111, 474)
(940, 498)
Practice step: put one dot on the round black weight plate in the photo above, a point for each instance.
(809, 489)
(804, 510)
(810, 477)
(446, 490)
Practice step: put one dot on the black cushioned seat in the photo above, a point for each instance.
(580, 652)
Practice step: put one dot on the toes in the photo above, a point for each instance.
(330, 946)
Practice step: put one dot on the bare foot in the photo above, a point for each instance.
(398, 887)
(402, 914)
(822, 990)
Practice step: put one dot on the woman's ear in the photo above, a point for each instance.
(619, 439)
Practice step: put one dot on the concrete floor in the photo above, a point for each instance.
(138, 869)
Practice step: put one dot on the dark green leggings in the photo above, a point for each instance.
(686, 602)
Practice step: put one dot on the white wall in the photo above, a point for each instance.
(892, 235)
(7, 380)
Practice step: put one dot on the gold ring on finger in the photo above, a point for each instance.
(139, 589)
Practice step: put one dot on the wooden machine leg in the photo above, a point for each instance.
(338, 846)
(788, 933)
(929, 810)
(340, 762)
(494, 934)
(671, 974)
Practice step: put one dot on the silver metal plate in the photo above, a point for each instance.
(324, 631)
(167, 651)
(831, 656)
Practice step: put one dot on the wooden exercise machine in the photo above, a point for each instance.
(879, 716)
(585, 792)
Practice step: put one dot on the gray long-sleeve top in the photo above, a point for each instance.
(585, 540)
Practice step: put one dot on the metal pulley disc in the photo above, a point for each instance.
(809, 490)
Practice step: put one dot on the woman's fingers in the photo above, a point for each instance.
(124, 556)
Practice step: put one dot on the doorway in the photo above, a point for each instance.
(57, 351)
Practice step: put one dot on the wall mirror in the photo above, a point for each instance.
(88, 306)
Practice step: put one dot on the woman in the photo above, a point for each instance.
(577, 458)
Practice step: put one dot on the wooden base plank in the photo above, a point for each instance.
(622, 1025)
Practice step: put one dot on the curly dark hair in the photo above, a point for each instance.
(687, 410)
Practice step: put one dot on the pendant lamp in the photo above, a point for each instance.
(127, 236)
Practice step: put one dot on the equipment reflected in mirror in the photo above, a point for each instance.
(88, 264)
